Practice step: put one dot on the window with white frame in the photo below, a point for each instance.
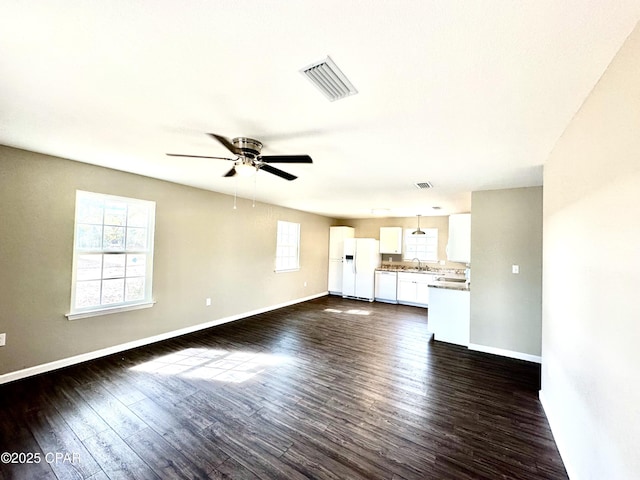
(423, 247)
(112, 254)
(288, 246)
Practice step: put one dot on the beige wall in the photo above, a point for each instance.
(591, 309)
(370, 228)
(203, 248)
(506, 308)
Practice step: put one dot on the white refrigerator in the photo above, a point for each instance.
(361, 258)
(337, 236)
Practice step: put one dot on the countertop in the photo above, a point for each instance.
(407, 270)
(462, 286)
(451, 285)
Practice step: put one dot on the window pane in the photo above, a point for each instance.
(89, 237)
(136, 238)
(423, 247)
(113, 291)
(136, 265)
(114, 238)
(115, 213)
(113, 266)
(89, 267)
(287, 245)
(89, 210)
(87, 294)
(137, 216)
(134, 289)
(107, 227)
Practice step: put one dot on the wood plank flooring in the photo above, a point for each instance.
(326, 389)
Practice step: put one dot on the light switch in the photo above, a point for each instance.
(515, 268)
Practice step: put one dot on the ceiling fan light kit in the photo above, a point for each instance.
(249, 159)
(245, 170)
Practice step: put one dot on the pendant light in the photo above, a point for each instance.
(418, 231)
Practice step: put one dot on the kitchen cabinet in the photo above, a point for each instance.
(337, 235)
(413, 288)
(459, 245)
(336, 240)
(449, 315)
(386, 286)
(391, 240)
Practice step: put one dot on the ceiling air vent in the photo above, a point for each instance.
(328, 78)
(423, 185)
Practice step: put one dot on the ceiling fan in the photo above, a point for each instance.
(248, 159)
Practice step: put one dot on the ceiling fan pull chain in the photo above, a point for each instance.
(255, 181)
(235, 194)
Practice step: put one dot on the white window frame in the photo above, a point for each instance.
(287, 247)
(132, 248)
(423, 247)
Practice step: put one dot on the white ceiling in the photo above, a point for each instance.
(470, 95)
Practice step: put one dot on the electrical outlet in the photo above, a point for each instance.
(305, 284)
(515, 268)
(3, 339)
(207, 302)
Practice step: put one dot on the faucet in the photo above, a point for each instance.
(419, 264)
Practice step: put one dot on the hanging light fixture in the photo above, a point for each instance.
(418, 231)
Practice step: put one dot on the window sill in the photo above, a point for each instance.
(107, 311)
(287, 270)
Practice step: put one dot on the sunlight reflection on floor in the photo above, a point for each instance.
(353, 311)
(213, 364)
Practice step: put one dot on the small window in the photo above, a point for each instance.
(288, 246)
(423, 247)
(112, 254)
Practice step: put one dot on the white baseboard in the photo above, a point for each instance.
(66, 362)
(505, 353)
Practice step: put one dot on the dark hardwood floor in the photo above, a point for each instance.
(327, 389)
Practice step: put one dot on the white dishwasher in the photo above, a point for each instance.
(386, 286)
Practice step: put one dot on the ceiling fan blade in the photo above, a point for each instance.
(227, 144)
(198, 156)
(231, 173)
(286, 159)
(278, 172)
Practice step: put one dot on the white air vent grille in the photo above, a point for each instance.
(423, 185)
(328, 78)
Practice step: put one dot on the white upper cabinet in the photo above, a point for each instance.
(390, 239)
(336, 240)
(459, 246)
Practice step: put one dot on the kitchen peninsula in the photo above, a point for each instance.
(444, 292)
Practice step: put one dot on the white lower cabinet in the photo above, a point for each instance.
(413, 288)
(449, 315)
